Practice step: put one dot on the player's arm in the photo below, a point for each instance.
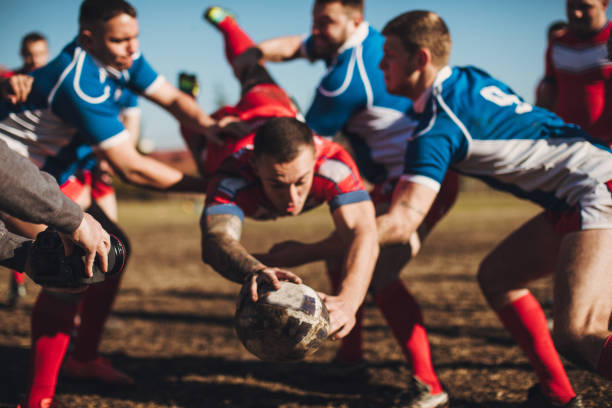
(546, 91)
(356, 227)
(411, 202)
(222, 250)
(187, 111)
(146, 172)
(131, 120)
(281, 48)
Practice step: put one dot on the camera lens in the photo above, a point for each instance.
(116, 256)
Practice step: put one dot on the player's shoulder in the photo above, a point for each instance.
(333, 162)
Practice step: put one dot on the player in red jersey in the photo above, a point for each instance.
(578, 72)
(285, 172)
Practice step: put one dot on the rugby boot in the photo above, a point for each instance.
(419, 395)
(216, 14)
(98, 369)
(535, 399)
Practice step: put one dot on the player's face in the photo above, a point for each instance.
(287, 185)
(586, 16)
(332, 25)
(399, 68)
(35, 55)
(115, 42)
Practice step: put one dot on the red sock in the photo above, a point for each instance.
(95, 308)
(236, 40)
(19, 277)
(604, 366)
(405, 319)
(52, 321)
(526, 322)
(351, 346)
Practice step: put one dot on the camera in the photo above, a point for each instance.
(49, 266)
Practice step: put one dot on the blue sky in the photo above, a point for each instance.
(505, 38)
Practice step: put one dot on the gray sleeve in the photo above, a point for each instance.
(13, 249)
(34, 196)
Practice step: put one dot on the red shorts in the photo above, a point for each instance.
(260, 103)
(98, 183)
(383, 193)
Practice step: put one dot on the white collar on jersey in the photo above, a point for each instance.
(356, 38)
(442, 75)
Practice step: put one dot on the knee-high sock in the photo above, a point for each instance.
(604, 366)
(525, 320)
(351, 346)
(19, 277)
(95, 307)
(405, 319)
(236, 40)
(52, 321)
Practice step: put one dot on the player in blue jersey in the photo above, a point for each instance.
(476, 125)
(75, 101)
(352, 98)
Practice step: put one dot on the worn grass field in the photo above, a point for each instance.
(172, 328)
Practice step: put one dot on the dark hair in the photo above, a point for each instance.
(554, 27)
(100, 11)
(356, 4)
(30, 38)
(282, 139)
(422, 29)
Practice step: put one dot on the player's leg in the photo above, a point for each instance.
(527, 254)
(583, 301)
(236, 40)
(96, 305)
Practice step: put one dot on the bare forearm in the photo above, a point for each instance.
(228, 257)
(281, 48)
(155, 175)
(186, 110)
(359, 265)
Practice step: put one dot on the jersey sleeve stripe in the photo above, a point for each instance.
(114, 140)
(364, 77)
(155, 85)
(224, 209)
(66, 71)
(348, 198)
(422, 180)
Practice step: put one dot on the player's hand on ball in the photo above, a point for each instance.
(273, 276)
(341, 316)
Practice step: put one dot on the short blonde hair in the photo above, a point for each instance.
(422, 29)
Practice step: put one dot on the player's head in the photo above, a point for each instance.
(417, 45)
(284, 160)
(109, 31)
(333, 22)
(586, 16)
(34, 51)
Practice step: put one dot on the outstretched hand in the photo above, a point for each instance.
(273, 276)
(16, 88)
(341, 316)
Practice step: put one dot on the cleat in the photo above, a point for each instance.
(17, 291)
(98, 369)
(216, 14)
(418, 395)
(535, 399)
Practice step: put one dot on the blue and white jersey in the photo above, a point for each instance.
(352, 97)
(75, 101)
(476, 125)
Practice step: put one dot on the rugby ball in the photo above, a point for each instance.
(287, 324)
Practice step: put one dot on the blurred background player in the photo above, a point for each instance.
(34, 52)
(577, 79)
(352, 98)
(83, 107)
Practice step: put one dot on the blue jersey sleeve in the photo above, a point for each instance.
(434, 150)
(141, 75)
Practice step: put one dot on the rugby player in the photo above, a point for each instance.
(75, 101)
(352, 98)
(475, 124)
(577, 79)
(283, 171)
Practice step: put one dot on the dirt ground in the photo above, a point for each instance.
(172, 326)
